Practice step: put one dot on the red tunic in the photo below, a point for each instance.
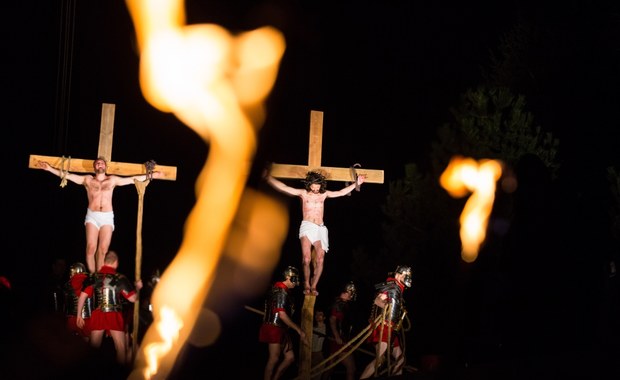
(387, 327)
(110, 320)
(271, 333)
(76, 284)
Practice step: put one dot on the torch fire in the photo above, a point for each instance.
(216, 84)
(464, 176)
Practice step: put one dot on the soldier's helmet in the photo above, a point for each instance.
(76, 268)
(292, 273)
(350, 287)
(405, 270)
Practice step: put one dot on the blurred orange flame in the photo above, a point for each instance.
(168, 328)
(215, 83)
(465, 175)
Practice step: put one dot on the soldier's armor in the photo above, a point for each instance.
(395, 304)
(107, 291)
(277, 298)
(71, 302)
(344, 326)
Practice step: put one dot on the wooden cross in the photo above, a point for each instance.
(105, 150)
(331, 174)
(314, 160)
(117, 168)
(307, 326)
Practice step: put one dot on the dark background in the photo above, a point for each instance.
(385, 74)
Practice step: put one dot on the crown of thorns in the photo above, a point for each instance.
(314, 177)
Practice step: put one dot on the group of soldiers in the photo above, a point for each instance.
(388, 306)
(98, 299)
(101, 303)
(385, 321)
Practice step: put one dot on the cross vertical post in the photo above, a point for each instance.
(106, 131)
(307, 325)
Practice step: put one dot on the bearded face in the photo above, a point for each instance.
(315, 188)
(100, 166)
(315, 178)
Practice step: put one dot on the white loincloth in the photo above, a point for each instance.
(314, 233)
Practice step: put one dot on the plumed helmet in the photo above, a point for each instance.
(76, 268)
(406, 271)
(292, 273)
(350, 287)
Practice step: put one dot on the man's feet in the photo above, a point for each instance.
(310, 292)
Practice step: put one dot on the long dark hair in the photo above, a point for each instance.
(315, 177)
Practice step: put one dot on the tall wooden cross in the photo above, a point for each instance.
(332, 174)
(79, 165)
(314, 160)
(117, 168)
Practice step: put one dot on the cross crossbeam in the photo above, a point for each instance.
(79, 165)
(314, 160)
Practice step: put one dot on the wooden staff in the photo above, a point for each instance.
(141, 187)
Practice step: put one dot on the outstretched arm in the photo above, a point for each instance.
(282, 187)
(122, 181)
(79, 179)
(346, 190)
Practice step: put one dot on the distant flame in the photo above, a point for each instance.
(216, 84)
(465, 175)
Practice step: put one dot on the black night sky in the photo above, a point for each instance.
(385, 74)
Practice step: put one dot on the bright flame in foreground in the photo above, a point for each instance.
(465, 175)
(216, 84)
(168, 328)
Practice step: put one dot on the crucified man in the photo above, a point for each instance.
(99, 221)
(313, 232)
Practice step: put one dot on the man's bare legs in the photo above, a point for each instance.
(274, 356)
(311, 280)
(370, 368)
(289, 358)
(397, 365)
(399, 360)
(92, 237)
(96, 338)
(272, 360)
(105, 237)
(306, 258)
(349, 364)
(97, 245)
(318, 266)
(119, 344)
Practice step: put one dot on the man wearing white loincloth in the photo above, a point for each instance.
(312, 231)
(99, 220)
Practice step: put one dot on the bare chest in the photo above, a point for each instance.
(313, 200)
(103, 185)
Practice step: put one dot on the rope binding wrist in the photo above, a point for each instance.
(62, 173)
(150, 167)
